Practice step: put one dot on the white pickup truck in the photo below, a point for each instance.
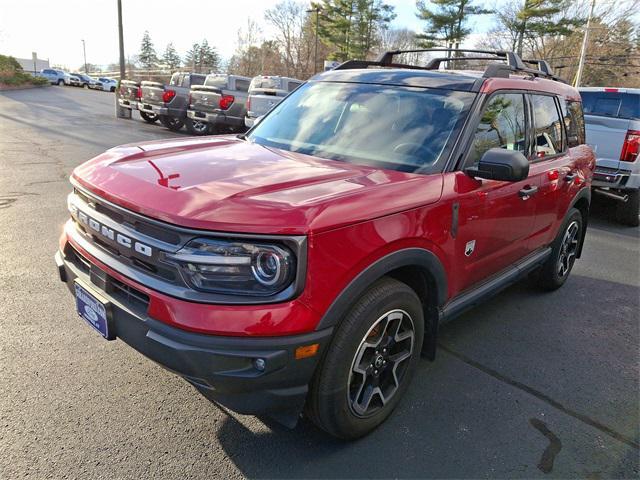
(612, 120)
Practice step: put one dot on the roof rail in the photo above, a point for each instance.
(512, 62)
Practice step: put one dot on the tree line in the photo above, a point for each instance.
(307, 33)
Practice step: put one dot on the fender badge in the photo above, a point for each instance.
(471, 246)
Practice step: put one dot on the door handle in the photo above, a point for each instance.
(526, 192)
(570, 177)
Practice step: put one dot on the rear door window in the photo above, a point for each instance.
(547, 126)
(502, 125)
(611, 104)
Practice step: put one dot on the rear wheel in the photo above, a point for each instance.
(369, 364)
(198, 127)
(172, 123)
(149, 117)
(628, 213)
(555, 271)
(60, 82)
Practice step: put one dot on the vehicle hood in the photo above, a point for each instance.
(227, 184)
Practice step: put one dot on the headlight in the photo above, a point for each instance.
(236, 267)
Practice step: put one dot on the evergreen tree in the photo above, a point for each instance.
(147, 57)
(446, 25)
(192, 59)
(536, 18)
(208, 58)
(171, 58)
(352, 27)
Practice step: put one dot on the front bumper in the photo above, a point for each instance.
(130, 104)
(221, 367)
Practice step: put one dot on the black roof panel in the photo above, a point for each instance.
(407, 77)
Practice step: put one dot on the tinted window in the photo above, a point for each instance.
(219, 81)
(574, 122)
(502, 125)
(293, 85)
(195, 80)
(547, 125)
(400, 128)
(611, 104)
(242, 85)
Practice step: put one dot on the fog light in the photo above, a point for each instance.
(260, 364)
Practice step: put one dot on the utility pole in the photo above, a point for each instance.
(583, 50)
(315, 52)
(121, 40)
(84, 51)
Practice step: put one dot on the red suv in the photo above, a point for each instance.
(307, 264)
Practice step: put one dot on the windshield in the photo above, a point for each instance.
(400, 128)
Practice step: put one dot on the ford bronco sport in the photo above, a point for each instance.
(306, 265)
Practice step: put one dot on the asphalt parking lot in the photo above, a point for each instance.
(530, 385)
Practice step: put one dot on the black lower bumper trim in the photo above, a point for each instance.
(221, 368)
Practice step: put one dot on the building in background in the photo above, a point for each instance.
(33, 64)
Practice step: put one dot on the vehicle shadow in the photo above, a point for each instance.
(460, 421)
(602, 216)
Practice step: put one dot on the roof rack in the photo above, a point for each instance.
(512, 62)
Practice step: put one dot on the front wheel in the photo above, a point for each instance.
(198, 127)
(370, 361)
(564, 250)
(628, 213)
(149, 117)
(172, 123)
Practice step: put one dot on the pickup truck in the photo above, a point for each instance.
(169, 102)
(55, 77)
(265, 92)
(128, 95)
(612, 117)
(219, 105)
(307, 265)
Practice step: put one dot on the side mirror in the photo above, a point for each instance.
(501, 164)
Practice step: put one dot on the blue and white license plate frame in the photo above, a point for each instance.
(94, 309)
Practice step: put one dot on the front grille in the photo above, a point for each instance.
(122, 292)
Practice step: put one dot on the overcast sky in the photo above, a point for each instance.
(54, 29)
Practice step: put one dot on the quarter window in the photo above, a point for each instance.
(548, 127)
(574, 122)
(502, 126)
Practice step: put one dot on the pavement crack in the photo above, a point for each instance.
(555, 445)
(545, 398)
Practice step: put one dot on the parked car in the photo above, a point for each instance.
(74, 80)
(84, 81)
(219, 105)
(107, 84)
(169, 102)
(307, 264)
(265, 93)
(128, 95)
(55, 77)
(612, 117)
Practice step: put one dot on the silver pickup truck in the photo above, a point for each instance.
(265, 92)
(612, 120)
(169, 102)
(218, 106)
(129, 94)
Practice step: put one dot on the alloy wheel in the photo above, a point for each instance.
(380, 363)
(568, 249)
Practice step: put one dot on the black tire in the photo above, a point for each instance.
(85, 85)
(337, 401)
(172, 123)
(198, 127)
(149, 117)
(113, 89)
(60, 83)
(628, 213)
(555, 271)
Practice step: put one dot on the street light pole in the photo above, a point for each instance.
(583, 50)
(121, 40)
(84, 51)
(315, 53)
